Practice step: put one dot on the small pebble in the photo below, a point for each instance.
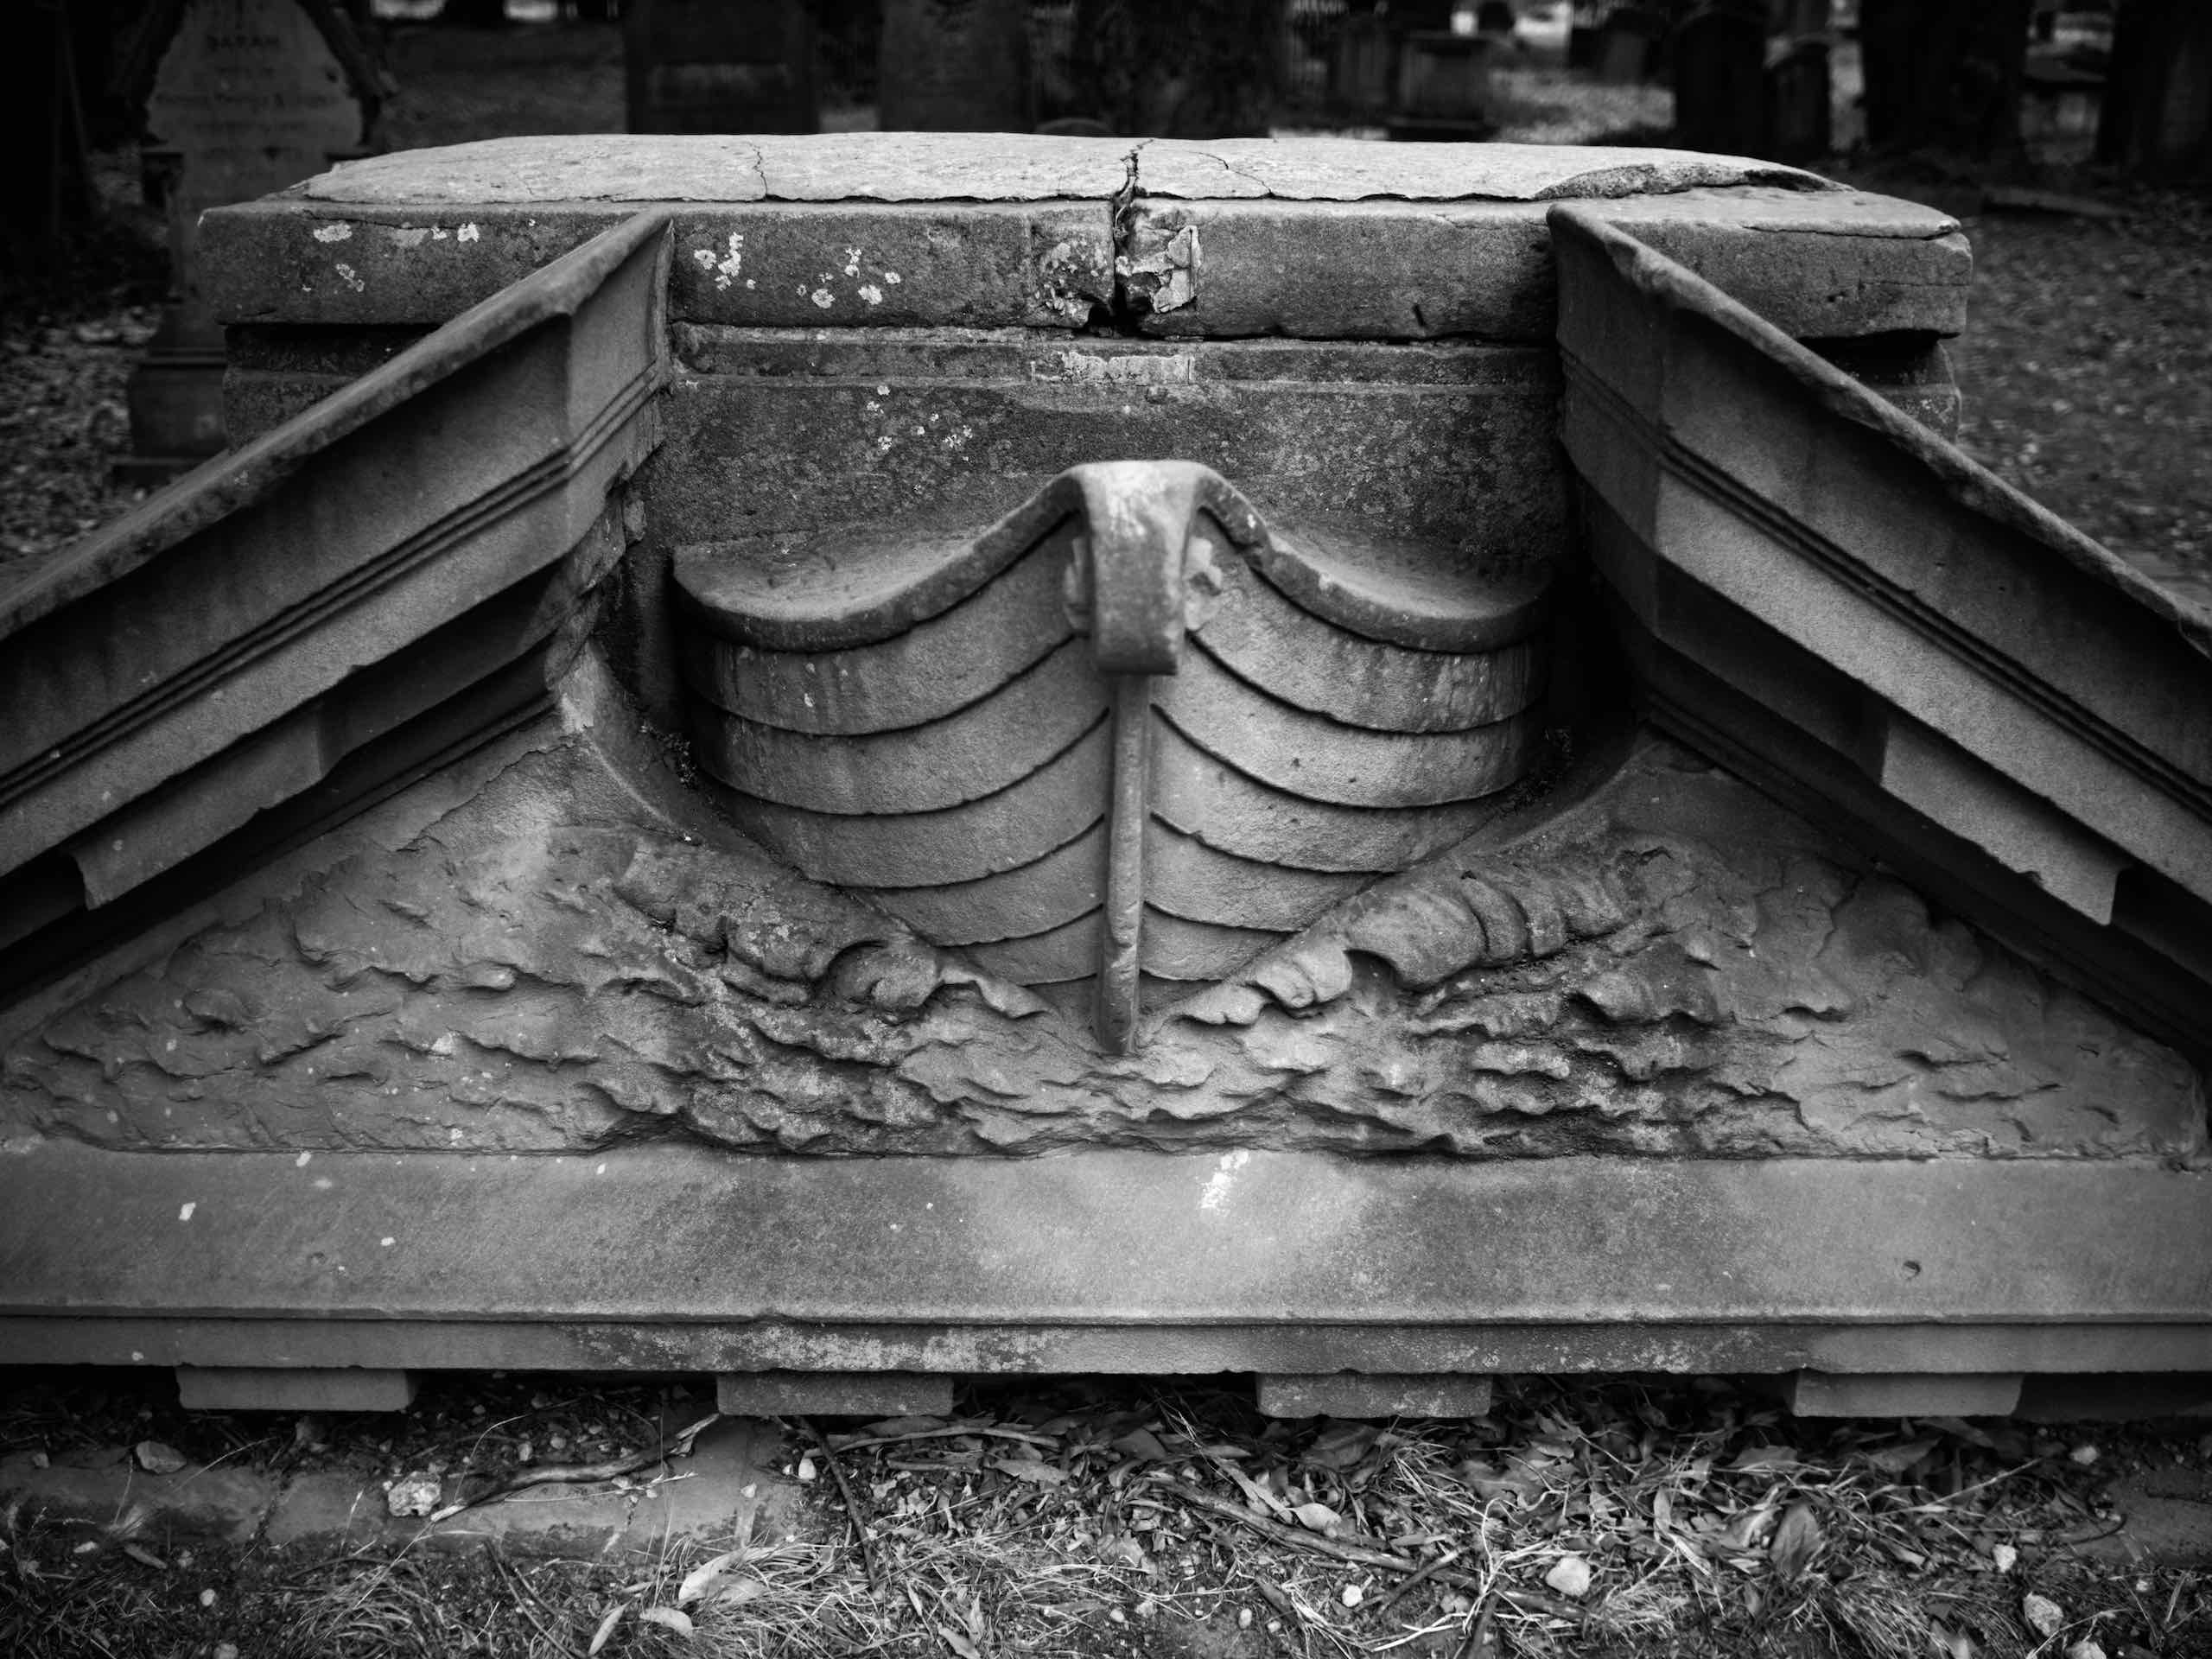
(2085, 1454)
(206, 1598)
(1244, 1618)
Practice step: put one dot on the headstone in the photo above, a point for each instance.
(1443, 86)
(1360, 74)
(1798, 103)
(1582, 36)
(246, 97)
(1628, 45)
(719, 66)
(1720, 81)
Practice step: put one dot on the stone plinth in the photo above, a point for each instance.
(846, 760)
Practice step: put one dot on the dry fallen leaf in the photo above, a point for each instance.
(1765, 1457)
(1742, 1534)
(1142, 1445)
(1035, 1471)
(1345, 1446)
(1796, 1541)
(1317, 1517)
(1896, 1460)
(607, 1621)
(668, 1618)
(696, 1580)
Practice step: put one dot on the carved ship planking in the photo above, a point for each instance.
(1128, 735)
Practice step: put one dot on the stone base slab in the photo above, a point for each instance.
(670, 1258)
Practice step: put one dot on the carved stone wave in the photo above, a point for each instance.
(1652, 959)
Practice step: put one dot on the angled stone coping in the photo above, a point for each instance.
(1019, 167)
(683, 1257)
(221, 617)
(1320, 239)
(1993, 636)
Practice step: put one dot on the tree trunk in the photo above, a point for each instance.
(955, 66)
(2157, 118)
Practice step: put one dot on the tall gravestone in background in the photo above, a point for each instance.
(243, 97)
(1720, 81)
(719, 66)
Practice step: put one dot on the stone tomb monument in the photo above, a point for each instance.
(243, 97)
(884, 757)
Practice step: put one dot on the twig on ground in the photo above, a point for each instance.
(525, 1594)
(1369, 1555)
(853, 1511)
(1417, 1579)
(575, 1474)
(1482, 1640)
(856, 1442)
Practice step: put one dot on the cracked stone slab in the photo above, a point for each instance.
(1017, 167)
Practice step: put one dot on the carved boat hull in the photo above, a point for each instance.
(927, 718)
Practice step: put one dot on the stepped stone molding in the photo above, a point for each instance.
(1767, 522)
(203, 657)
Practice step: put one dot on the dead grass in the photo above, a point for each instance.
(1626, 1520)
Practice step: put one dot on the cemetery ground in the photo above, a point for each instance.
(1614, 1518)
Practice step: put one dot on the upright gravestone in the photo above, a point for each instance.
(719, 66)
(1443, 86)
(243, 98)
(1720, 81)
(1628, 45)
(1799, 102)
